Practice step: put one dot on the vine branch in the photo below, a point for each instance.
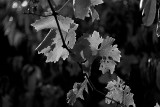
(60, 31)
(54, 13)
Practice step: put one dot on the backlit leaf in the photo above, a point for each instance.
(95, 40)
(50, 22)
(77, 92)
(110, 55)
(52, 45)
(119, 92)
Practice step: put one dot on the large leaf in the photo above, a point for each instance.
(109, 54)
(52, 45)
(50, 22)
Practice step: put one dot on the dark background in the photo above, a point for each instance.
(27, 81)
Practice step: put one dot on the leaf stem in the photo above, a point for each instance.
(55, 16)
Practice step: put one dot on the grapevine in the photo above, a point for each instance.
(109, 54)
(102, 53)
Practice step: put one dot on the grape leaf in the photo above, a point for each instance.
(149, 12)
(52, 45)
(128, 97)
(50, 22)
(77, 92)
(87, 47)
(119, 92)
(110, 55)
(82, 8)
(115, 91)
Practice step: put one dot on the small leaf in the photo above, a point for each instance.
(149, 12)
(77, 92)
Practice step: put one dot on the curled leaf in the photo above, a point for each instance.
(149, 12)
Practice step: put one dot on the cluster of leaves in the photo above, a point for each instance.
(136, 51)
(60, 42)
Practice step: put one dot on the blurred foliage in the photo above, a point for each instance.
(27, 81)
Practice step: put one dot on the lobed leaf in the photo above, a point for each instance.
(52, 45)
(119, 92)
(109, 54)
